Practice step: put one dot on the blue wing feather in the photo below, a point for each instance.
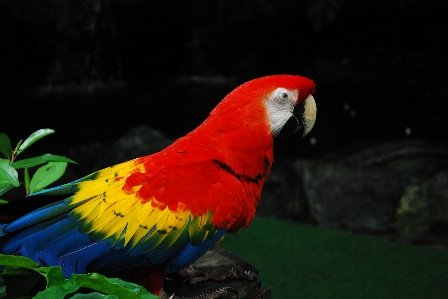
(49, 236)
(13, 244)
(190, 253)
(39, 215)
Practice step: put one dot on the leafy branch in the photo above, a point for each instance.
(53, 168)
(23, 277)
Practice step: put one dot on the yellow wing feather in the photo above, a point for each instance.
(107, 213)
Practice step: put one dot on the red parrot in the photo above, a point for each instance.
(165, 210)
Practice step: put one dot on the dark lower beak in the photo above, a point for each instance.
(294, 124)
(302, 119)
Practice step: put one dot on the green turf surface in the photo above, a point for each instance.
(300, 261)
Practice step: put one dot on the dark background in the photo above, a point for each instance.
(92, 69)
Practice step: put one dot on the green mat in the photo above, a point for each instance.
(300, 261)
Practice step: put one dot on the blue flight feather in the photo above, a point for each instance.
(38, 215)
(190, 253)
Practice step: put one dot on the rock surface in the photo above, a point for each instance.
(219, 269)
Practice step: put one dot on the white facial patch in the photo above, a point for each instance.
(280, 107)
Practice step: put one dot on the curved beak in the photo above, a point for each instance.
(309, 114)
(302, 120)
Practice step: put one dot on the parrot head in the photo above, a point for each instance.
(287, 101)
(291, 107)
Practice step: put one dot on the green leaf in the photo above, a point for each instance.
(4, 189)
(47, 174)
(112, 286)
(5, 146)
(21, 275)
(30, 162)
(56, 292)
(18, 145)
(33, 138)
(17, 261)
(2, 201)
(94, 295)
(26, 175)
(53, 274)
(8, 176)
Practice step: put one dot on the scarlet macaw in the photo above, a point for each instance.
(167, 209)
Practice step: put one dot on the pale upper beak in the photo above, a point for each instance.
(309, 114)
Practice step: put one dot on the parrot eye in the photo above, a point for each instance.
(280, 107)
(283, 96)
